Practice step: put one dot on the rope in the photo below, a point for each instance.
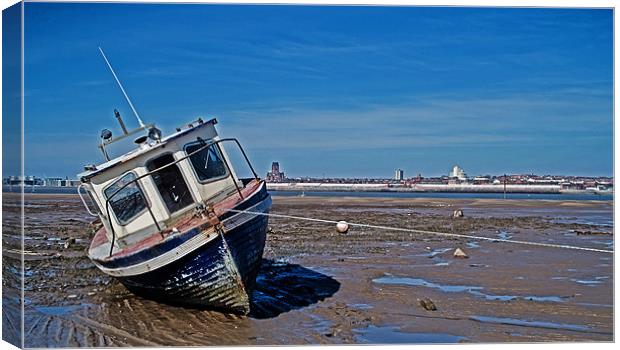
(458, 235)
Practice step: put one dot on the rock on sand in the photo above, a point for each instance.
(459, 253)
(427, 304)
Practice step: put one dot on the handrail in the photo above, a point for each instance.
(84, 202)
(242, 152)
(207, 145)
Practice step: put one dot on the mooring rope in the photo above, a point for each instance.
(446, 234)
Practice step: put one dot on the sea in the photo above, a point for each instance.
(460, 195)
(542, 196)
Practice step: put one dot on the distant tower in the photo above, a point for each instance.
(275, 175)
(458, 173)
(398, 174)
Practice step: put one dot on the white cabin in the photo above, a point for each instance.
(174, 174)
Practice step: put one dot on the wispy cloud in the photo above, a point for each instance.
(437, 122)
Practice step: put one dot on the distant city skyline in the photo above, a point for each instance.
(330, 91)
(268, 173)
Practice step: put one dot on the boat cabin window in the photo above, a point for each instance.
(128, 202)
(208, 163)
(170, 183)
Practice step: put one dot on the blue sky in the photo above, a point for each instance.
(333, 91)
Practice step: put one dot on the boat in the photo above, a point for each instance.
(177, 223)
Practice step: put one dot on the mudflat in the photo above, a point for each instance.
(317, 286)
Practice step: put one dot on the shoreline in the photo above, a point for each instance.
(472, 189)
(327, 196)
(73, 190)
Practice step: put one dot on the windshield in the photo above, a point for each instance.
(208, 163)
(129, 201)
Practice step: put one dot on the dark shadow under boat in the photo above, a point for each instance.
(280, 287)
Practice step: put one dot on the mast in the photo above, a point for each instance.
(122, 89)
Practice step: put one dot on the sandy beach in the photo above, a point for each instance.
(317, 286)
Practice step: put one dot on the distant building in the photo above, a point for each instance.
(275, 175)
(25, 180)
(457, 174)
(30, 180)
(481, 180)
(52, 181)
(14, 180)
(69, 183)
(399, 175)
(544, 180)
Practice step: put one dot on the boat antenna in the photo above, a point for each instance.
(122, 89)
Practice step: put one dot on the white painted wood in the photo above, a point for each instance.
(142, 225)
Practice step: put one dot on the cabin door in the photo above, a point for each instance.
(170, 183)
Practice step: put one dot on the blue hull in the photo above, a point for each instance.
(219, 275)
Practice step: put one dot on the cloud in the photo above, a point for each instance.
(436, 122)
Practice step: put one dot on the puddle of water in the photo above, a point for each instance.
(551, 298)
(435, 252)
(478, 265)
(554, 299)
(393, 335)
(473, 290)
(18, 300)
(607, 244)
(418, 282)
(537, 324)
(18, 272)
(472, 245)
(361, 306)
(590, 283)
(595, 305)
(504, 235)
(60, 310)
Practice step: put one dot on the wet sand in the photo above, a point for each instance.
(320, 287)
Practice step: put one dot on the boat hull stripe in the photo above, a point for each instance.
(152, 259)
